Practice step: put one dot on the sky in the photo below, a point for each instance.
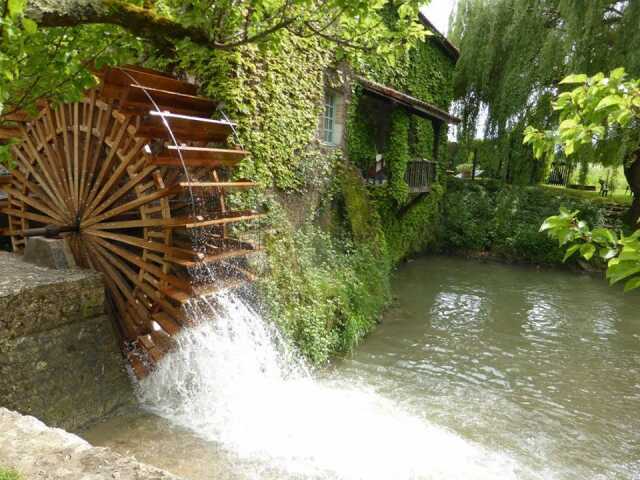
(438, 13)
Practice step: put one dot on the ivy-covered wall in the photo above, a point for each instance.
(410, 222)
(331, 242)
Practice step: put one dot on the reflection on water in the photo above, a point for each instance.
(479, 371)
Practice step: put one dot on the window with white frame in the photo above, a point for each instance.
(329, 118)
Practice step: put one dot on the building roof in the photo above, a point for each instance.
(415, 105)
(443, 42)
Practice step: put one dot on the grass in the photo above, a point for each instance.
(9, 474)
(617, 197)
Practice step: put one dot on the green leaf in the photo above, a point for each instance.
(603, 236)
(632, 284)
(575, 78)
(29, 25)
(568, 123)
(570, 251)
(587, 250)
(608, 253)
(569, 147)
(16, 7)
(617, 74)
(609, 101)
(621, 270)
(629, 255)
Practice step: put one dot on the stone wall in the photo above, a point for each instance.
(59, 359)
(36, 451)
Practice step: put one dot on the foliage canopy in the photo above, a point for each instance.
(46, 51)
(514, 53)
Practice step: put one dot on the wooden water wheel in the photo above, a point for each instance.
(126, 176)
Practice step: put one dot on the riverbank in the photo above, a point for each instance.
(491, 219)
(31, 450)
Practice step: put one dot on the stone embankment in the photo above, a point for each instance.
(59, 357)
(38, 452)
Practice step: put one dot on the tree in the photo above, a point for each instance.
(46, 47)
(599, 121)
(622, 253)
(515, 52)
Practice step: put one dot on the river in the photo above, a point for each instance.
(478, 371)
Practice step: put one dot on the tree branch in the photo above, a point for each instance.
(140, 21)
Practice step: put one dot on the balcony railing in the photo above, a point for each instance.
(420, 175)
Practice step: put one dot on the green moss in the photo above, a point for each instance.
(6, 474)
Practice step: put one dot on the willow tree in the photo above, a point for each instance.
(515, 52)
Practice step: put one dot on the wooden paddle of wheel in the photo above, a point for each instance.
(108, 175)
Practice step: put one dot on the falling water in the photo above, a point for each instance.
(234, 380)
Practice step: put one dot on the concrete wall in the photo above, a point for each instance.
(35, 451)
(59, 359)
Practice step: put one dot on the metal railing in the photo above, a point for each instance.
(420, 175)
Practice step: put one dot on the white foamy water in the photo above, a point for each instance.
(234, 381)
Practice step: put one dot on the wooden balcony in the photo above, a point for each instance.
(420, 175)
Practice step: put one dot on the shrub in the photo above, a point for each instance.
(505, 220)
(324, 293)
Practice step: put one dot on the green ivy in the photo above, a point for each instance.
(325, 284)
(397, 155)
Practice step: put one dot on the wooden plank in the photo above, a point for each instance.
(20, 116)
(116, 80)
(146, 244)
(107, 163)
(233, 217)
(178, 222)
(162, 340)
(167, 323)
(88, 142)
(76, 154)
(223, 255)
(147, 343)
(33, 216)
(232, 185)
(133, 278)
(199, 157)
(137, 365)
(29, 200)
(46, 168)
(135, 99)
(9, 133)
(126, 188)
(183, 127)
(184, 297)
(27, 165)
(139, 262)
(138, 202)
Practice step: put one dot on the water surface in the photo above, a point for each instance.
(478, 371)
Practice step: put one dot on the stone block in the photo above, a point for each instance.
(34, 299)
(59, 357)
(49, 253)
(36, 451)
